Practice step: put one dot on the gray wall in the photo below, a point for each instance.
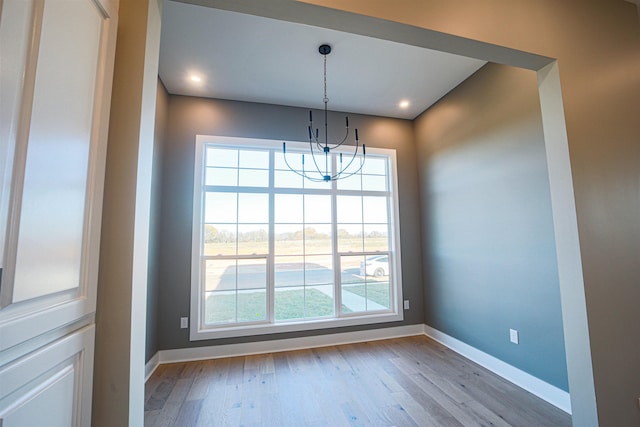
(162, 109)
(189, 116)
(490, 258)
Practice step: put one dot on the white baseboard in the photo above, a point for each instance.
(545, 391)
(273, 346)
(151, 366)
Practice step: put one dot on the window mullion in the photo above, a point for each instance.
(362, 195)
(337, 282)
(304, 259)
(271, 270)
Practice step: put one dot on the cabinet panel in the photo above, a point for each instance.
(49, 249)
(15, 31)
(50, 387)
(56, 392)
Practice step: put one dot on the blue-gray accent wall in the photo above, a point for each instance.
(488, 237)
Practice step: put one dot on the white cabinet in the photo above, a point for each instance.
(56, 67)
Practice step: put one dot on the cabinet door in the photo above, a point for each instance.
(56, 68)
(57, 60)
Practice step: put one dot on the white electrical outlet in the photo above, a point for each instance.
(184, 322)
(513, 336)
(406, 304)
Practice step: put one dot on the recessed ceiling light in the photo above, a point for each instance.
(404, 103)
(196, 79)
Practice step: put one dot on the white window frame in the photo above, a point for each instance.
(200, 331)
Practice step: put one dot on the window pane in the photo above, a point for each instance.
(288, 239)
(350, 238)
(374, 183)
(374, 210)
(349, 165)
(222, 157)
(253, 178)
(365, 283)
(220, 291)
(289, 271)
(219, 239)
(351, 183)
(375, 166)
(318, 270)
(322, 185)
(289, 303)
(254, 159)
(287, 179)
(288, 208)
(252, 290)
(221, 176)
(252, 305)
(352, 269)
(294, 160)
(351, 302)
(317, 208)
(220, 307)
(220, 275)
(349, 209)
(319, 301)
(252, 274)
(317, 239)
(220, 207)
(253, 239)
(376, 238)
(253, 208)
(378, 295)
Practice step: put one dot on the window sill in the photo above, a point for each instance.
(308, 325)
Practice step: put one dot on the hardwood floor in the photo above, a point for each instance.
(400, 382)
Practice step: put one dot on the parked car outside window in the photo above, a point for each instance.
(377, 265)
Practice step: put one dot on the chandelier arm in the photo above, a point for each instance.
(286, 162)
(319, 145)
(302, 174)
(355, 153)
(340, 176)
(346, 135)
(313, 137)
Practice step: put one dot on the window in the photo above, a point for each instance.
(273, 252)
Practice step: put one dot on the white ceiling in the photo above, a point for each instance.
(249, 58)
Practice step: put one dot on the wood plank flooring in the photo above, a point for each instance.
(400, 382)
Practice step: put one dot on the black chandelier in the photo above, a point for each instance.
(319, 148)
